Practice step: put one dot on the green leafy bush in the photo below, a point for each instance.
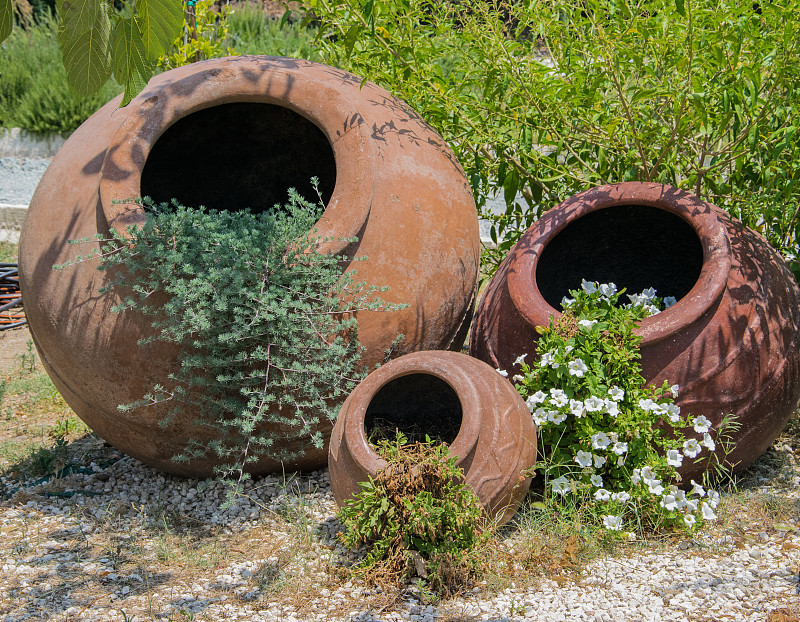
(265, 323)
(605, 437)
(202, 37)
(549, 98)
(252, 32)
(417, 517)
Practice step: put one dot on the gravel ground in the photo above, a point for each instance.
(19, 178)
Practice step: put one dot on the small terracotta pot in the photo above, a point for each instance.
(487, 424)
(730, 342)
(233, 133)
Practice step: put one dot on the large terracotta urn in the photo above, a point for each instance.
(453, 398)
(730, 342)
(228, 134)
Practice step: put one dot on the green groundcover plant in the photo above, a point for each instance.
(265, 323)
(546, 98)
(606, 438)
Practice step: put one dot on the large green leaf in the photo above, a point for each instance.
(78, 16)
(6, 18)
(160, 22)
(87, 54)
(131, 67)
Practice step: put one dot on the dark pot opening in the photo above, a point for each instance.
(239, 155)
(416, 405)
(633, 246)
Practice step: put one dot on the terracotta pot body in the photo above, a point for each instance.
(232, 133)
(493, 435)
(731, 341)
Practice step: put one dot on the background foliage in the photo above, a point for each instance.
(545, 99)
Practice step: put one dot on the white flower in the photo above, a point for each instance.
(594, 404)
(674, 458)
(708, 513)
(669, 301)
(631, 537)
(547, 359)
(577, 368)
(576, 408)
(668, 503)
(502, 372)
(612, 408)
(558, 398)
(691, 448)
(621, 496)
(597, 481)
(517, 378)
(680, 498)
(654, 486)
(651, 310)
(648, 294)
(520, 359)
(602, 494)
(583, 458)
(587, 323)
(590, 287)
(690, 520)
(713, 498)
(600, 440)
(607, 289)
(567, 302)
(531, 403)
(637, 299)
(568, 349)
(674, 412)
(556, 417)
(701, 424)
(647, 473)
(674, 390)
(636, 476)
(691, 505)
(598, 461)
(561, 485)
(620, 448)
(612, 523)
(540, 416)
(646, 404)
(616, 393)
(697, 489)
(708, 442)
(538, 397)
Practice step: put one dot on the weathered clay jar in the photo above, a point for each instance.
(232, 133)
(469, 405)
(731, 341)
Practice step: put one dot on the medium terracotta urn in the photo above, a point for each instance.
(730, 342)
(453, 398)
(228, 134)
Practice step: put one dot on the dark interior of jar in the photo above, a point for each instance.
(237, 156)
(416, 405)
(632, 246)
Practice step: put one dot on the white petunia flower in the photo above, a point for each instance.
(612, 523)
(620, 448)
(587, 323)
(577, 368)
(651, 310)
(637, 299)
(616, 393)
(608, 289)
(646, 404)
(648, 293)
(538, 397)
(567, 302)
(713, 499)
(621, 496)
(558, 398)
(502, 372)
(691, 448)
(561, 485)
(674, 412)
(701, 424)
(674, 390)
(636, 476)
(654, 486)
(556, 416)
(598, 461)
(708, 442)
(600, 440)
(668, 503)
(594, 404)
(520, 359)
(647, 473)
(691, 505)
(690, 520)
(680, 498)
(669, 301)
(707, 511)
(517, 378)
(602, 495)
(547, 359)
(540, 416)
(583, 458)
(590, 287)
(612, 408)
(568, 349)
(674, 458)
(697, 489)
(597, 481)
(576, 408)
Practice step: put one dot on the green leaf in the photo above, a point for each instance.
(86, 54)
(79, 16)
(160, 22)
(131, 67)
(6, 18)
(680, 8)
(350, 39)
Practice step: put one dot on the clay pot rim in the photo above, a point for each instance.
(707, 290)
(316, 94)
(442, 364)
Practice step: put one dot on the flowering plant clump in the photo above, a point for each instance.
(605, 437)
